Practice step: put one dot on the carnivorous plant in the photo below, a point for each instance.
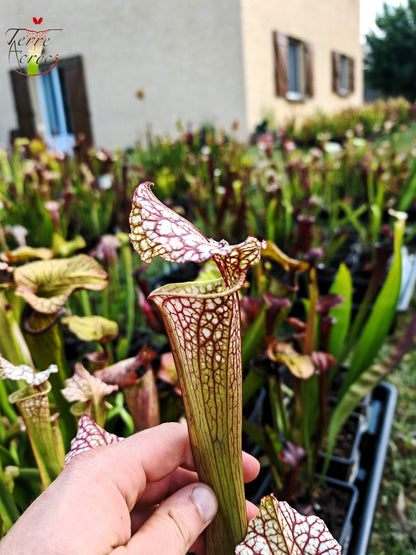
(202, 319)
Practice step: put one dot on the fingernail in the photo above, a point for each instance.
(205, 501)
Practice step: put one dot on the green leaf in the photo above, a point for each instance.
(280, 419)
(9, 512)
(252, 382)
(300, 366)
(12, 344)
(255, 433)
(342, 286)
(254, 338)
(47, 285)
(353, 217)
(382, 315)
(25, 253)
(92, 328)
(409, 190)
(271, 250)
(66, 248)
(360, 377)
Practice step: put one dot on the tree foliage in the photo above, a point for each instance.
(390, 62)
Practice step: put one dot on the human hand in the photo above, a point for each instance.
(140, 495)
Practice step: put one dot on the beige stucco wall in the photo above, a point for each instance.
(327, 24)
(186, 57)
(205, 62)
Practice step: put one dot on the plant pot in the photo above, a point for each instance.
(346, 458)
(362, 472)
(374, 447)
(344, 530)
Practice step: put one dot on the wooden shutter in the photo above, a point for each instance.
(336, 70)
(281, 53)
(73, 81)
(23, 105)
(308, 54)
(351, 75)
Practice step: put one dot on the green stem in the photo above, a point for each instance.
(85, 302)
(130, 300)
(9, 512)
(105, 303)
(17, 171)
(278, 408)
(12, 344)
(5, 406)
(310, 331)
(358, 321)
(29, 473)
(255, 336)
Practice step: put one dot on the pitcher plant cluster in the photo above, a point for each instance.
(97, 343)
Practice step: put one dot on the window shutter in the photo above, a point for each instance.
(351, 75)
(72, 74)
(308, 50)
(280, 50)
(23, 105)
(336, 69)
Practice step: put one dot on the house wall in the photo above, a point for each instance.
(186, 60)
(327, 25)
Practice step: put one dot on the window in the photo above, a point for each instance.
(293, 67)
(342, 74)
(56, 116)
(63, 102)
(295, 81)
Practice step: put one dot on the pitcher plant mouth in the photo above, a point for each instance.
(156, 230)
(202, 320)
(31, 399)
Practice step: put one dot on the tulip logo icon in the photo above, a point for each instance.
(26, 48)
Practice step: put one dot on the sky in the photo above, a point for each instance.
(369, 9)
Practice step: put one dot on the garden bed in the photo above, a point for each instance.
(348, 505)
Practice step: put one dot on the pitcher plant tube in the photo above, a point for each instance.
(202, 320)
(33, 404)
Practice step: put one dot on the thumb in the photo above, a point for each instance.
(177, 523)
